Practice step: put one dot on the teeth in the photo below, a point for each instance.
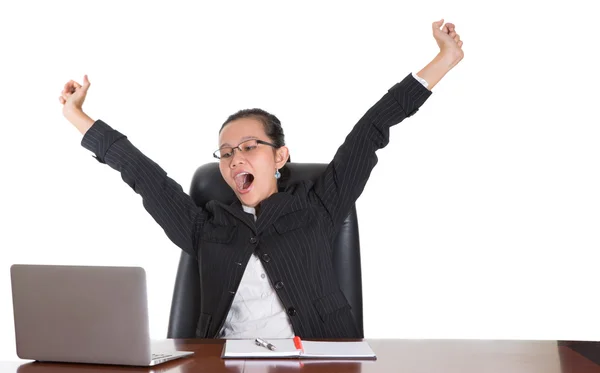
(240, 175)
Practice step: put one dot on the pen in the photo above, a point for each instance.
(262, 342)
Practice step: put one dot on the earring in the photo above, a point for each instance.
(277, 174)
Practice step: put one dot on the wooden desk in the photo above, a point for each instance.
(393, 355)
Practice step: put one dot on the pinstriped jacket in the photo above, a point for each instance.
(293, 234)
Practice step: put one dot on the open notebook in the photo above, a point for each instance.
(295, 348)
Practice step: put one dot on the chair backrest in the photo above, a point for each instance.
(207, 185)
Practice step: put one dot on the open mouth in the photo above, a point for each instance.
(243, 181)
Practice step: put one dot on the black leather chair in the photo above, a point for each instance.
(207, 185)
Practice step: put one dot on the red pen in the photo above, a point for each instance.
(298, 344)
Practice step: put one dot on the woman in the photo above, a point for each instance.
(265, 262)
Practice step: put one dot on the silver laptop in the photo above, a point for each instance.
(83, 314)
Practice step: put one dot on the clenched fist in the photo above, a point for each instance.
(448, 40)
(72, 98)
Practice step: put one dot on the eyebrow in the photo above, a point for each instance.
(241, 141)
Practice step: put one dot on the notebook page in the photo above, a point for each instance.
(337, 349)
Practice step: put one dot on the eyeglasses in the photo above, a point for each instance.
(245, 147)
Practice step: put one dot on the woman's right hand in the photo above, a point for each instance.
(72, 98)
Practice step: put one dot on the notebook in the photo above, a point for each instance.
(83, 314)
(296, 348)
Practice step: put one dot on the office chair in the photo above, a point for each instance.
(207, 185)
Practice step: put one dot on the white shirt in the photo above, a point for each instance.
(256, 310)
(420, 80)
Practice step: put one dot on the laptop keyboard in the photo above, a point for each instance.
(160, 356)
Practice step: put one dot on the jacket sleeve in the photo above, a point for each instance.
(345, 177)
(162, 197)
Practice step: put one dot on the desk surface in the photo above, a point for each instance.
(393, 355)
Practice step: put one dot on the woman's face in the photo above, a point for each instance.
(251, 174)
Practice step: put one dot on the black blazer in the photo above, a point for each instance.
(293, 232)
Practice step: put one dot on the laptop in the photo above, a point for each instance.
(83, 314)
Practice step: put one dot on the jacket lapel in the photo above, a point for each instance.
(270, 210)
(236, 210)
(274, 207)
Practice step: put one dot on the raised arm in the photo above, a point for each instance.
(346, 176)
(162, 197)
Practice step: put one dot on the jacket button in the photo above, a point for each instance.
(266, 258)
(278, 285)
(253, 240)
(291, 311)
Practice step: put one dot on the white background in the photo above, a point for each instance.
(480, 220)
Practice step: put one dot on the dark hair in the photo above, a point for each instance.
(273, 130)
(270, 122)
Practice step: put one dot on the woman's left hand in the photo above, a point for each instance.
(448, 40)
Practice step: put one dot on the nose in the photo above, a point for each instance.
(237, 158)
